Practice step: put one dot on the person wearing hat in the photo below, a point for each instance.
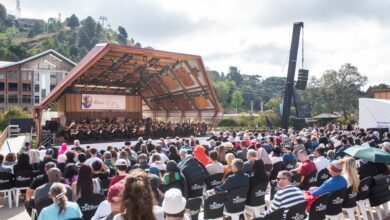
(174, 205)
(48, 158)
(333, 184)
(121, 168)
(111, 206)
(173, 178)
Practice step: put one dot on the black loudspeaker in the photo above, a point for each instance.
(303, 77)
(51, 125)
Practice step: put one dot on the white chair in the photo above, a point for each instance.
(363, 198)
(23, 179)
(6, 186)
(7, 193)
(349, 204)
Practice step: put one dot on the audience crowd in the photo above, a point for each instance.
(157, 180)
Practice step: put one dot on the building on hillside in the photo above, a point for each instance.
(28, 23)
(27, 82)
(381, 93)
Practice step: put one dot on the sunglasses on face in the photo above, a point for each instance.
(282, 178)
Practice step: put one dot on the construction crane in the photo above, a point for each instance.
(289, 90)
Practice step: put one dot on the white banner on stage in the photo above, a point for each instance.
(104, 102)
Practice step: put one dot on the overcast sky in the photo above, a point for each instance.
(254, 35)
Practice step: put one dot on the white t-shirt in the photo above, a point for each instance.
(90, 161)
(102, 211)
(321, 163)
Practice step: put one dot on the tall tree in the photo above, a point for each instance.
(122, 36)
(237, 100)
(338, 91)
(234, 74)
(72, 21)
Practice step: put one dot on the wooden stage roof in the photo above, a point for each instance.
(166, 81)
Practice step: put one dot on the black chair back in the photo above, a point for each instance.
(277, 214)
(274, 188)
(214, 180)
(296, 179)
(42, 204)
(297, 212)
(364, 188)
(6, 180)
(105, 183)
(193, 206)
(335, 202)
(309, 180)
(276, 167)
(23, 178)
(268, 167)
(318, 207)
(322, 176)
(195, 189)
(290, 164)
(235, 200)
(257, 194)
(213, 206)
(349, 199)
(89, 204)
(112, 172)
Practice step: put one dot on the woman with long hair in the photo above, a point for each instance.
(227, 169)
(350, 173)
(61, 208)
(23, 163)
(259, 173)
(156, 162)
(173, 154)
(85, 184)
(70, 174)
(137, 198)
(221, 154)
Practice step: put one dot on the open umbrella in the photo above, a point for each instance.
(369, 153)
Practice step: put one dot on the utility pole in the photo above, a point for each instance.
(103, 18)
(252, 106)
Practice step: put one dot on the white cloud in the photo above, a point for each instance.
(253, 35)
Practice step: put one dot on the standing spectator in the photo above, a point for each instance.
(214, 167)
(61, 208)
(85, 184)
(320, 161)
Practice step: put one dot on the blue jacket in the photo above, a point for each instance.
(331, 185)
(234, 181)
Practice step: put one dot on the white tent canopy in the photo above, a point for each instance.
(374, 113)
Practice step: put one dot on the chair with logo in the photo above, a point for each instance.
(89, 204)
(322, 176)
(296, 179)
(297, 212)
(290, 164)
(214, 205)
(335, 201)
(214, 180)
(349, 203)
(277, 214)
(318, 207)
(235, 203)
(363, 197)
(309, 181)
(23, 179)
(195, 189)
(193, 207)
(276, 167)
(6, 185)
(256, 199)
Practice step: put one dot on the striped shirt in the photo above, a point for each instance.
(286, 198)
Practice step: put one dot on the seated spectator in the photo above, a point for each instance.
(385, 146)
(287, 196)
(37, 182)
(174, 178)
(99, 170)
(112, 205)
(61, 162)
(174, 206)
(173, 154)
(288, 155)
(137, 199)
(4, 169)
(23, 163)
(334, 183)
(108, 161)
(243, 152)
(93, 157)
(214, 167)
(320, 161)
(48, 158)
(155, 182)
(263, 155)
(70, 174)
(10, 161)
(163, 156)
(121, 168)
(70, 157)
(85, 184)
(42, 192)
(237, 180)
(330, 155)
(200, 154)
(276, 155)
(61, 208)
(222, 154)
(251, 156)
(142, 162)
(227, 169)
(81, 159)
(307, 166)
(156, 162)
(259, 173)
(350, 173)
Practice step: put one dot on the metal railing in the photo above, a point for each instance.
(48, 141)
(4, 136)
